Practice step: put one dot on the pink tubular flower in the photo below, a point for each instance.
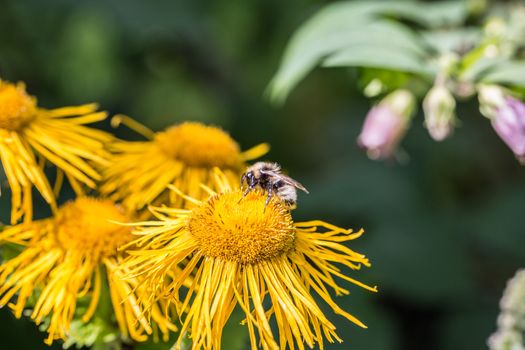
(386, 124)
(509, 124)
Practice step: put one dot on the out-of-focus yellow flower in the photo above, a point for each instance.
(239, 252)
(70, 256)
(30, 136)
(182, 155)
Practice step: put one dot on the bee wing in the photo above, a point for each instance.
(294, 183)
(286, 179)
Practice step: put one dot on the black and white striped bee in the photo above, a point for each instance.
(269, 178)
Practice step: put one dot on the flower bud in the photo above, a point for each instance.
(511, 321)
(491, 98)
(439, 106)
(507, 115)
(386, 124)
(509, 123)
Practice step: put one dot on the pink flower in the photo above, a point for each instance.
(386, 124)
(509, 124)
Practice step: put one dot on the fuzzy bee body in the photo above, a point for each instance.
(269, 178)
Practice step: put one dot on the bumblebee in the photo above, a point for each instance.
(268, 177)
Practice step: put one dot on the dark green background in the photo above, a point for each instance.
(444, 230)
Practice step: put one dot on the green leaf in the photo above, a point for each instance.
(386, 57)
(508, 72)
(87, 334)
(101, 330)
(473, 68)
(429, 15)
(184, 345)
(10, 250)
(355, 25)
(445, 41)
(375, 82)
(310, 46)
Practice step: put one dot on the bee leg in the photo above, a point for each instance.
(250, 188)
(270, 192)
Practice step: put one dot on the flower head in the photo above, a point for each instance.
(386, 124)
(182, 155)
(509, 124)
(491, 98)
(511, 321)
(439, 106)
(507, 115)
(240, 252)
(31, 136)
(68, 257)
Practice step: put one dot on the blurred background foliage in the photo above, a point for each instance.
(444, 230)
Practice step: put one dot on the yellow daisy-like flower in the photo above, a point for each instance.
(70, 256)
(239, 252)
(30, 136)
(182, 155)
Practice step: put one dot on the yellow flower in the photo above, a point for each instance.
(70, 256)
(239, 252)
(30, 136)
(182, 155)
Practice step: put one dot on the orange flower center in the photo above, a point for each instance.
(198, 145)
(242, 230)
(89, 225)
(17, 108)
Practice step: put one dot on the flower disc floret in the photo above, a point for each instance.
(89, 225)
(17, 108)
(200, 145)
(243, 230)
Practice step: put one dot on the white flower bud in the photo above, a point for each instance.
(439, 106)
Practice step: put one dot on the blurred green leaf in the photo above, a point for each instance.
(448, 40)
(506, 72)
(10, 250)
(95, 332)
(380, 56)
(474, 71)
(100, 331)
(315, 41)
(432, 15)
(376, 81)
(185, 344)
(354, 27)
